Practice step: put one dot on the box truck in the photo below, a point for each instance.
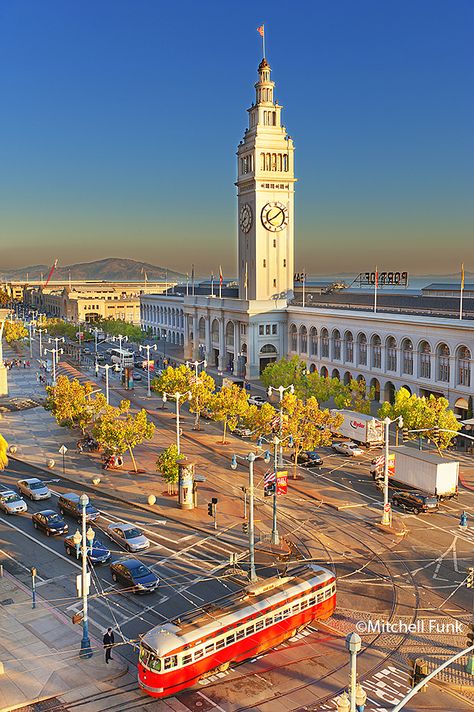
(426, 471)
(360, 428)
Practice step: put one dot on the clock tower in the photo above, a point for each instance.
(265, 191)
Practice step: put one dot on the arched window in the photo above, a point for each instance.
(268, 349)
(324, 343)
(443, 363)
(336, 341)
(362, 349)
(313, 341)
(376, 351)
(285, 161)
(349, 346)
(279, 162)
(303, 340)
(215, 331)
(293, 338)
(262, 161)
(425, 360)
(274, 162)
(463, 366)
(267, 162)
(229, 334)
(202, 329)
(407, 359)
(391, 354)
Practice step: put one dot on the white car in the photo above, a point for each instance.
(257, 400)
(347, 447)
(11, 502)
(34, 488)
(129, 536)
(242, 432)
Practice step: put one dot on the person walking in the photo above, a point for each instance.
(108, 641)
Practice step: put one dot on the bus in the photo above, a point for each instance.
(123, 358)
(242, 625)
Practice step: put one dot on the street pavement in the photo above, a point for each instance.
(332, 514)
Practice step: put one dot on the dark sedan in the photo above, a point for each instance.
(99, 553)
(137, 577)
(308, 458)
(49, 522)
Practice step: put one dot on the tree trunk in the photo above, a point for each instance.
(133, 459)
(225, 428)
(196, 421)
(295, 463)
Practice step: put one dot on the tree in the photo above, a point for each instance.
(114, 327)
(283, 372)
(262, 421)
(421, 413)
(228, 406)
(4, 299)
(173, 380)
(3, 453)
(70, 403)
(58, 327)
(14, 331)
(167, 464)
(202, 389)
(354, 395)
(307, 424)
(124, 432)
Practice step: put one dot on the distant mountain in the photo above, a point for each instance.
(113, 269)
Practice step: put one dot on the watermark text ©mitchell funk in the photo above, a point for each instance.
(423, 625)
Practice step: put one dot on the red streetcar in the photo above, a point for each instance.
(175, 655)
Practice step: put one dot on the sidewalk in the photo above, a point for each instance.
(39, 651)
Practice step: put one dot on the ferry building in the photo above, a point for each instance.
(260, 322)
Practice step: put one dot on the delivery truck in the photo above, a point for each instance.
(426, 471)
(363, 429)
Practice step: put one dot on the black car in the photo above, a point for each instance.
(415, 502)
(308, 458)
(99, 553)
(49, 522)
(136, 576)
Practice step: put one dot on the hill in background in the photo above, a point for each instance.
(113, 269)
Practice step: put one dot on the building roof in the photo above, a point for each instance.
(447, 287)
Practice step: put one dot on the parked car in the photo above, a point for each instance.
(33, 488)
(49, 522)
(99, 553)
(128, 536)
(257, 400)
(137, 376)
(415, 501)
(69, 504)
(347, 447)
(135, 575)
(11, 502)
(242, 432)
(308, 458)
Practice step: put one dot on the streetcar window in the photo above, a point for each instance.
(154, 663)
(230, 639)
(220, 644)
(295, 608)
(171, 662)
(250, 630)
(304, 604)
(312, 600)
(198, 653)
(286, 613)
(259, 625)
(240, 634)
(278, 616)
(327, 593)
(187, 659)
(209, 649)
(269, 620)
(320, 597)
(333, 589)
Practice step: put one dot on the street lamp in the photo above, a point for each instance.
(148, 349)
(41, 332)
(386, 518)
(86, 539)
(56, 340)
(31, 329)
(177, 397)
(281, 390)
(275, 441)
(196, 364)
(54, 359)
(120, 338)
(353, 645)
(251, 457)
(106, 369)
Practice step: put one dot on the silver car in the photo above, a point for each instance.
(34, 488)
(11, 502)
(128, 536)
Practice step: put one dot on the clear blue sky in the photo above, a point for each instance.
(120, 120)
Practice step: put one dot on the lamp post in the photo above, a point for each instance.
(106, 369)
(56, 350)
(196, 365)
(275, 441)
(120, 338)
(41, 332)
(85, 539)
(281, 390)
(353, 645)
(31, 329)
(148, 349)
(177, 397)
(386, 518)
(54, 360)
(165, 332)
(250, 458)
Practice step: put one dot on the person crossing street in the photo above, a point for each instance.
(108, 641)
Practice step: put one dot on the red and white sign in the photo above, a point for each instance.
(282, 483)
(387, 507)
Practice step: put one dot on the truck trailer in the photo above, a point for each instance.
(363, 429)
(425, 471)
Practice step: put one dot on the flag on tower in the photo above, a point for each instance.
(261, 30)
(462, 290)
(220, 282)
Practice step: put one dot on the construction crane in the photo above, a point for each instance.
(55, 264)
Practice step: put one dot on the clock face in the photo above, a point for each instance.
(245, 217)
(274, 216)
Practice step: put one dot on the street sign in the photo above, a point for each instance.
(79, 584)
(62, 450)
(77, 618)
(387, 507)
(282, 483)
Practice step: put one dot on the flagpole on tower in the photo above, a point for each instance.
(261, 31)
(462, 289)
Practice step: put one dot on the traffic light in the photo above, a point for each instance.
(419, 671)
(405, 434)
(214, 501)
(245, 528)
(470, 577)
(470, 635)
(210, 509)
(435, 431)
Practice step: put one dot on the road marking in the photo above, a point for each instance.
(205, 697)
(40, 543)
(2, 551)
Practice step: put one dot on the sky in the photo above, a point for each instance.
(120, 120)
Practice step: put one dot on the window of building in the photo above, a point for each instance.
(261, 330)
(407, 361)
(443, 363)
(274, 243)
(267, 329)
(425, 360)
(274, 283)
(284, 263)
(362, 349)
(324, 343)
(376, 352)
(264, 263)
(336, 336)
(464, 366)
(274, 329)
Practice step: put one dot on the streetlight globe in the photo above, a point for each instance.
(269, 391)
(400, 421)
(361, 695)
(83, 500)
(292, 389)
(204, 363)
(233, 462)
(266, 457)
(90, 534)
(164, 398)
(343, 703)
(77, 538)
(387, 420)
(353, 642)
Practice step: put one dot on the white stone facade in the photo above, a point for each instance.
(164, 315)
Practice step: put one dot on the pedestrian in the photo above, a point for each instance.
(108, 641)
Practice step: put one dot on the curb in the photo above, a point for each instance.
(455, 690)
